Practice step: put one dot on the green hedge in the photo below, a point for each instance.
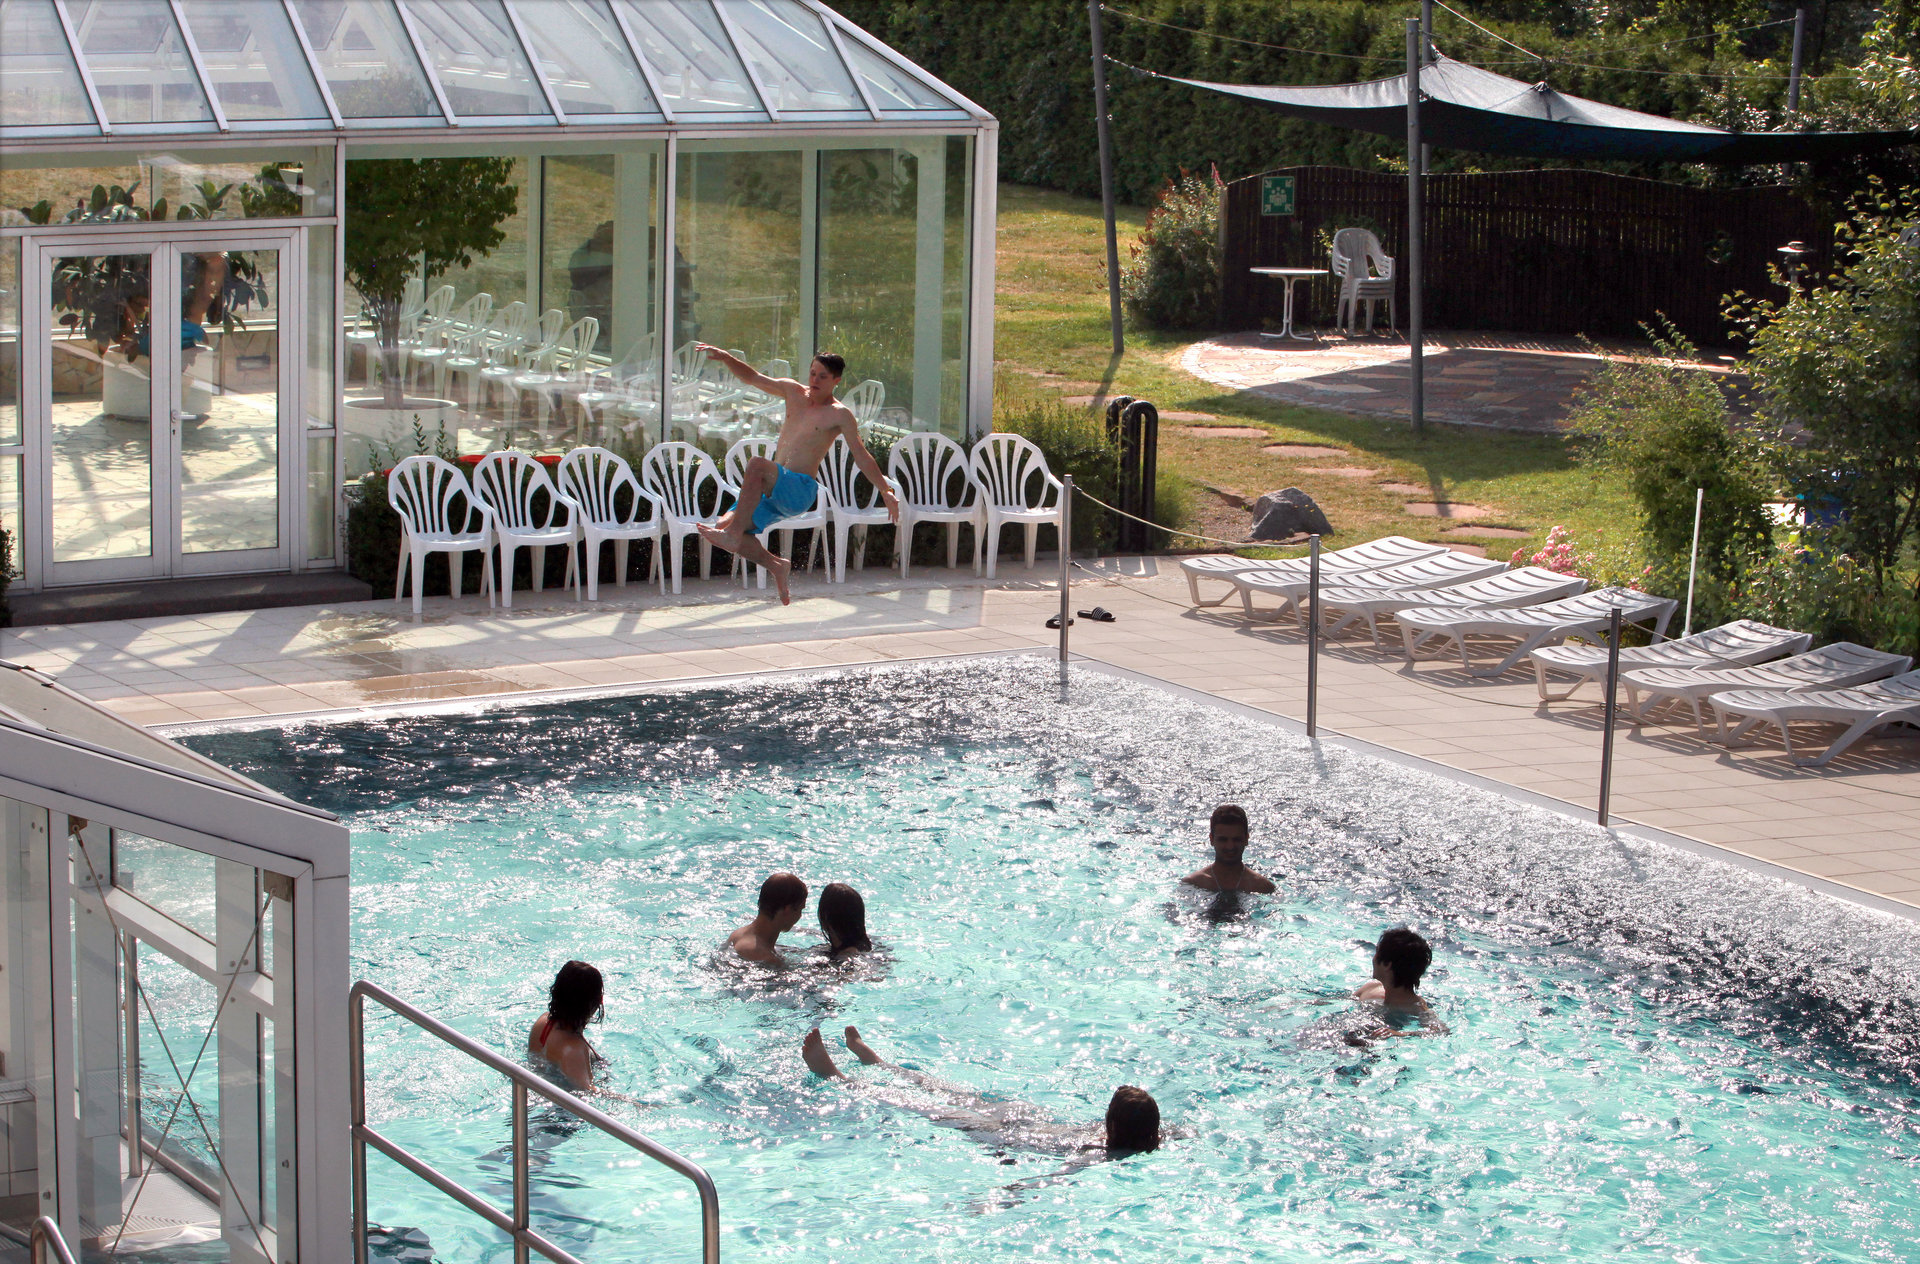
(6, 576)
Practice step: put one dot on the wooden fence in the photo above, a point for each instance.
(1551, 252)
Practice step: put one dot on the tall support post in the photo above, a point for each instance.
(1426, 58)
(1066, 569)
(1693, 557)
(1793, 80)
(1613, 689)
(1415, 330)
(1106, 169)
(1313, 635)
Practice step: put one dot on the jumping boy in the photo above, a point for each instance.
(771, 490)
(1229, 831)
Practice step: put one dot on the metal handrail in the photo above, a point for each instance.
(46, 1239)
(524, 1082)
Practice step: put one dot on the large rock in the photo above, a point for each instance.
(1286, 513)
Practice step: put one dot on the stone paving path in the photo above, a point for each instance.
(1507, 381)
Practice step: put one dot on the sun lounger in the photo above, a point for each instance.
(1442, 570)
(1862, 710)
(1741, 643)
(1841, 665)
(1390, 550)
(1588, 614)
(1527, 586)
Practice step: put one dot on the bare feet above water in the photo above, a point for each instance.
(781, 569)
(719, 536)
(860, 1048)
(814, 1051)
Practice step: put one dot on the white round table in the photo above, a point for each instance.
(1289, 275)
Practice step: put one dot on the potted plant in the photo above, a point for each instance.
(408, 217)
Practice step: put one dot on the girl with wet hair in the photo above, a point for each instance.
(843, 920)
(575, 999)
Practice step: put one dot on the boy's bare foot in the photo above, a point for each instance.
(719, 536)
(814, 1051)
(860, 1048)
(781, 568)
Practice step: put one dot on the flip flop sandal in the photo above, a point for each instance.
(1099, 614)
(1054, 622)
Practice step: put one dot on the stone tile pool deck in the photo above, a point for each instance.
(1855, 823)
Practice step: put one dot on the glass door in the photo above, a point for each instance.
(169, 368)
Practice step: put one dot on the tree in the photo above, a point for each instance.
(408, 217)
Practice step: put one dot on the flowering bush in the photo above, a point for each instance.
(1172, 279)
(1557, 555)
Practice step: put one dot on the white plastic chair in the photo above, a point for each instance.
(1015, 486)
(1365, 273)
(866, 400)
(814, 519)
(424, 491)
(477, 352)
(451, 335)
(853, 505)
(560, 366)
(930, 475)
(507, 483)
(434, 314)
(592, 478)
(678, 474)
(413, 298)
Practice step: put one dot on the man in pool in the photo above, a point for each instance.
(783, 898)
(771, 490)
(1228, 872)
(1399, 960)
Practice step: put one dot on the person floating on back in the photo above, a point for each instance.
(1399, 960)
(1228, 872)
(771, 490)
(783, 898)
(843, 920)
(576, 997)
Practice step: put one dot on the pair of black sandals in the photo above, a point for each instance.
(1099, 614)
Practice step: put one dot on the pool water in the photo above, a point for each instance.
(1651, 1056)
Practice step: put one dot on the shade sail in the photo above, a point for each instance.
(1465, 107)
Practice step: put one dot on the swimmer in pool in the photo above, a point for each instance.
(1132, 1124)
(1228, 872)
(1399, 960)
(577, 997)
(783, 898)
(843, 920)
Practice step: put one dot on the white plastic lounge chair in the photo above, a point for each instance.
(1741, 643)
(1015, 486)
(1841, 665)
(1373, 555)
(594, 478)
(853, 505)
(929, 473)
(438, 514)
(691, 492)
(1862, 710)
(814, 519)
(508, 483)
(1442, 570)
(1588, 614)
(1527, 586)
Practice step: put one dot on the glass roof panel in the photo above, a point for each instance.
(584, 57)
(253, 60)
(693, 60)
(139, 61)
(39, 83)
(792, 55)
(369, 63)
(891, 87)
(482, 68)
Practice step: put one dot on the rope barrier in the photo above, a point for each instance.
(1190, 535)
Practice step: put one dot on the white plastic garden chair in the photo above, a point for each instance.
(434, 314)
(1015, 487)
(480, 350)
(1365, 273)
(934, 484)
(1841, 665)
(508, 483)
(691, 491)
(549, 374)
(853, 505)
(1862, 710)
(1741, 643)
(413, 298)
(469, 319)
(1586, 615)
(1523, 586)
(593, 479)
(866, 400)
(814, 519)
(1442, 570)
(437, 511)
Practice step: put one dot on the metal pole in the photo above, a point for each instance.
(1313, 635)
(1613, 687)
(522, 1203)
(1066, 569)
(130, 969)
(1793, 80)
(1106, 168)
(1414, 230)
(1426, 58)
(357, 1119)
(1693, 556)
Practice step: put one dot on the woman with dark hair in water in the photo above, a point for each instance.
(576, 998)
(843, 920)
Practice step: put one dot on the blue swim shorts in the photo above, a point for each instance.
(792, 493)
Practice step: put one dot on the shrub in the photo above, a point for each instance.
(6, 576)
(1074, 441)
(1171, 280)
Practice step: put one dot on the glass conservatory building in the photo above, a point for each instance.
(385, 226)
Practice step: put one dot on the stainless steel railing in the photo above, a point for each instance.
(516, 1222)
(46, 1241)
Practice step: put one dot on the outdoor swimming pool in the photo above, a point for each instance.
(1652, 1056)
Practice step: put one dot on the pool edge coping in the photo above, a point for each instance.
(1636, 830)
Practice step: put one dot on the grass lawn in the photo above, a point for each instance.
(1053, 338)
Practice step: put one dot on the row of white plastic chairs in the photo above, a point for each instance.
(512, 502)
